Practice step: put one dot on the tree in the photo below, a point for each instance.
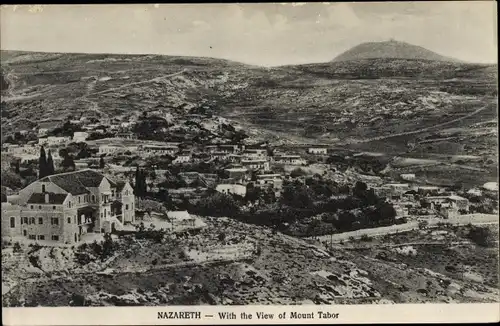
(42, 164)
(101, 162)
(68, 163)
(50, 164)
(359, 189)
(217, 205)
(482, 236)
(17, 166)
(141, 187)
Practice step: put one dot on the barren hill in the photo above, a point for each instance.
(349, 102)
(390, 49)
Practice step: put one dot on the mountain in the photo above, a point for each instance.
(390, 49)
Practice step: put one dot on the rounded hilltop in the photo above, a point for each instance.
(391, 49)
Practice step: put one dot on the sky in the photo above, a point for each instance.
(261, 34)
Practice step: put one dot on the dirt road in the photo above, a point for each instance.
(475, 219)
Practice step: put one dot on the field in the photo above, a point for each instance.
(253, 265)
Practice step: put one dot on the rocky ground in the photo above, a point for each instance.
(233, 263)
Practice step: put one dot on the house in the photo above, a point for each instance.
(159, 150)
(182, 158)
(64, 207)
(428, 190)
(80, 136)
(317, 150)
(408, 176)
(219, 155)
(289, 159)
(239, 174)
(229, 148)
(255, 164)
(235, 189)
(181, 218)
(453, 201)
(274, 181)
(54, 141)
(459, 202)
(255, 153)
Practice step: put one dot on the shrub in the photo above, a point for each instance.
(482, 236)
(366, 238)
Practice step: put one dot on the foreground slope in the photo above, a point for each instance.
(253, 265)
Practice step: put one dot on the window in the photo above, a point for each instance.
(93, 198)
(126, 207)
(31, 206)
(43, 188)
(41, 237)
(40, 220)
(32, 237)
(39, 206)
(69, 220)
(32, 220)
(78, 199)
(54, 221)
(104, 213)
(25, 220)
(55, 237)
(12, 222)
(53, 207)
(25, 232)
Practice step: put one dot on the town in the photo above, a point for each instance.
(71, 181)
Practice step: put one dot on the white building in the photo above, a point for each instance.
(53, 140)
(255, 154)
(235, 189)
(317, 150)
(80, 136)
(408, 176)
(289, 159)
(255, 164)
(182, 158)
(159, 150)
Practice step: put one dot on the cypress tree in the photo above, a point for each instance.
(137, 186)
(50, 164)
(42, 164)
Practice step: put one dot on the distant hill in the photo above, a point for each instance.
(390, 49)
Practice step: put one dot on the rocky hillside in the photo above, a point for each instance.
(342, 100)
(390, 49)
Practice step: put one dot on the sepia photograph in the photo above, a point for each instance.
(259, 154)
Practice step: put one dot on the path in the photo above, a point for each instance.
(475, 219)
(156, 79)
(419, 130)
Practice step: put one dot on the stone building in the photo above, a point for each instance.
(64, 207)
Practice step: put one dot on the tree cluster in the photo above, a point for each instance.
(45, 164)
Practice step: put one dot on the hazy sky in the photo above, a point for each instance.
(262, 34)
